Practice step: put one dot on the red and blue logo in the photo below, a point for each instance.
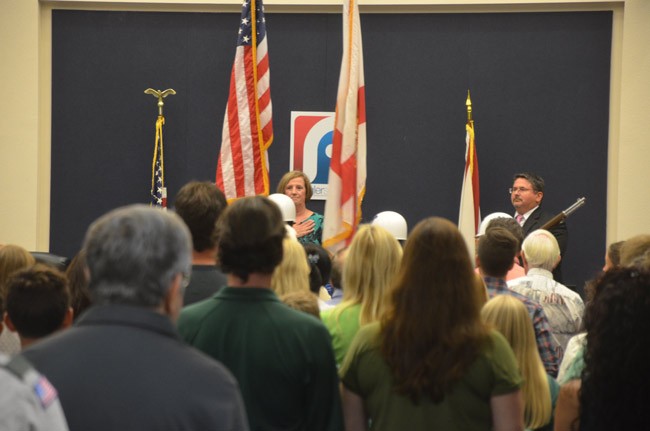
(311, 147)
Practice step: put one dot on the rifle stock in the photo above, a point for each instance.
(554, 221)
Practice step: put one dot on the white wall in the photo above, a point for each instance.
(19, 71)
(629, 204)
(25, 84)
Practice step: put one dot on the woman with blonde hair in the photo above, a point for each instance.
(509, 316)
(370, 267)
(430, 362)
(292, 275)
(13, 258)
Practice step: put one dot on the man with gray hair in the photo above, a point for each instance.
(122, 365)
(563, 307)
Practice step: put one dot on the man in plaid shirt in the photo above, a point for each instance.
(496, 253)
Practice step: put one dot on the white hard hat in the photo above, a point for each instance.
(287, 207)
(393, 222)
(488, 218)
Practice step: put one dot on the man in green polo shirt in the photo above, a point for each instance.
(282, 358)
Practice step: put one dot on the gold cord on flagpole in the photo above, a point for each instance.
(158, 151)
(158, 148)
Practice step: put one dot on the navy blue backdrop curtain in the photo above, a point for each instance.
(539, 83)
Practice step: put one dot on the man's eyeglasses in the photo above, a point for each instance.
(512, 190)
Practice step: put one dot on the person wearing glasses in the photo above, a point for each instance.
(526, 195)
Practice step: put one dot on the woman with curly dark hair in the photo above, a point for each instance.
(613, 392)
(573, 358)
(430, 362)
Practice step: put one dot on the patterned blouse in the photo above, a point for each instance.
(316, 236)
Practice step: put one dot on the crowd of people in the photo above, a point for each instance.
(218, 316)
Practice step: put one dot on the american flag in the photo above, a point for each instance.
(469, 216)
(347, 177)
(45, 392)
(242, 168)
(158, 189)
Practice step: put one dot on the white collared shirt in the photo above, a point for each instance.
(525, 215)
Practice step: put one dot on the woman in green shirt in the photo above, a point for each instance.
(430, 362)
(370, 267)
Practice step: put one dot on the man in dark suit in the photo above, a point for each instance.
(526, 196)
(122, 366)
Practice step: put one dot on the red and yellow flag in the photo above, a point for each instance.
(469, 216)
(347, 175)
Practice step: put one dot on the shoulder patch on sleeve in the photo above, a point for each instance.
(45, 392)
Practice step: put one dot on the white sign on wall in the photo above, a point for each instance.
(311, 147)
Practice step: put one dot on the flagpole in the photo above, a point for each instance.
(158, 190)
(469, 211)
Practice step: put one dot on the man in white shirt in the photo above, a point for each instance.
(563, 307)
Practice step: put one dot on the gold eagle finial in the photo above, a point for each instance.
(160, 95)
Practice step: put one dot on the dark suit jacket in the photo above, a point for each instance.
(559, 231)
(125, 368)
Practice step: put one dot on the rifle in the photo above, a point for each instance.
(563, 215)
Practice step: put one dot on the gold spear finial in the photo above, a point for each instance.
(160, 95)
(468, 103)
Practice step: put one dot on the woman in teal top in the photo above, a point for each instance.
(308, 224)
(369, 270)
